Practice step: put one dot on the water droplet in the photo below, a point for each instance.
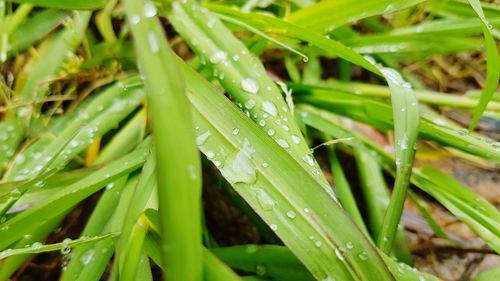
(201, 139)
(73, 143)
(270, 108)
(285, 127)
(404, 142)
(250, 103)
(210, 154)
(262, 123)
(250, 85)
(236, 58)
(306, 210)
(318, 243)
(87, 256)
(218, 57)
(135, 20)
(309, 160)
(238, 166)
(349, 245)
(260, 270)
(273, 227)
(291, 214)
(149, 10)
(36, 245)
(211, 23)
(283, 143)
(15, 194)
(265, 200)
(363, 256)
(236, 131)
(66, 249)
(339, 253)
(265, 165)
(295, 139)
(271, 132)
(153, 42)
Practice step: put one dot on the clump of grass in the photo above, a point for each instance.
(133, 141)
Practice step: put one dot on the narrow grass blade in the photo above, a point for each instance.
(406, 117)
(344, 192)
(269, 24)
(423, 96)
(318, 16)
(34, 29)
(377, 199)
(179, 182)
(39, 248)
(64, 4)
(422, 208)
(134, 250)
(492, 65)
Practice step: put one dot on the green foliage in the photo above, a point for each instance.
(98, 103)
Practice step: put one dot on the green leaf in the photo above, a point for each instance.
(492, 65)
(178, 161)
(67, 244)
(65, 4)
(318, 17)
(406, 117)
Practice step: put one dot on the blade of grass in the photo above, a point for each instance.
(423, 96)
(39, 248)
(134, 250)
(346, 197)
(179, 182)
(405, 115)
(422, 207)
(63, 4)
(34, 29)
(318, 16)
(377, 199)
(492, 65)
(274, 25)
